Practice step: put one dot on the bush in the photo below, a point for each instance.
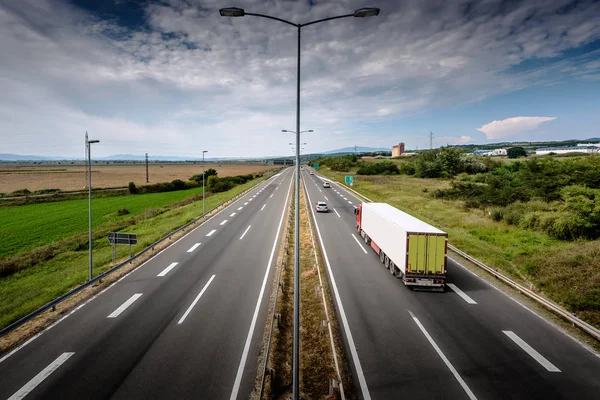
(132, 188)
(516, 152)
(47, 191)
(207, 173)
(379, 168)
(178, 184)
(21, 192)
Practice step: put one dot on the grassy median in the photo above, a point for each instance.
(567, 272)
(317, 366)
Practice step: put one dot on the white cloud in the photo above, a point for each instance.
(511, 126)
(465, 139)
(195, 79)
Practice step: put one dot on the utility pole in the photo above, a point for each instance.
(147, 168)
(86, 156)
(354, 149)
(430, 140)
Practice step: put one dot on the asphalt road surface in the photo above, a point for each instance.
(470, 342)
(187, 324)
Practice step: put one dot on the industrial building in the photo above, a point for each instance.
(565, 150)
(489, 153)
(398, 150)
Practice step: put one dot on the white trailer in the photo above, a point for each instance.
(411, 249)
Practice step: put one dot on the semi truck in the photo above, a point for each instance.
(410, 249)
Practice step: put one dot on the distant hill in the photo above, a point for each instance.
(18, 157)
(358, 150)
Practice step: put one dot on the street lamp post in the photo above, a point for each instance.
(240, 12)
(203, 185)
(88, 145)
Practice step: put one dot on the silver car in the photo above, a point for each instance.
(321, 206)
(326, 185)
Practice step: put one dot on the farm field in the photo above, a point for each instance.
(30, 226)
(73, 176)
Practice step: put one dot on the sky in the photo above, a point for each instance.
(174, 78)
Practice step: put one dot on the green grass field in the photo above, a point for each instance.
(30, 288)
(30, 226)
(567, 272)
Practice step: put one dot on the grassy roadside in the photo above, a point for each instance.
(28, 289)
(566, 272)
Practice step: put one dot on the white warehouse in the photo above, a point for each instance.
(565, 150)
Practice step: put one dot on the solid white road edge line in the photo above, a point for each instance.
(531, 351)
(169, 268)
(246, 231)
(195, 300)
(462, 294)
(263, 207)
(194, 247)
(39, 378)
(359, 371)
(361, 246)
(124, 306)
(223, 223)
(211, 232)
(240, 371)
(443, 357)
(89, 300)
(337, 213)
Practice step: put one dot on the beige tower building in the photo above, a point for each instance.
(398, 150)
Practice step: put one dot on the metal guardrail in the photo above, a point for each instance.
(591, 330)
(99, 278)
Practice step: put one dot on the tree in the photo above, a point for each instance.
(208, 173)
(516, 152)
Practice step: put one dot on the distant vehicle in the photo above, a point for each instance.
(321, 206)
(410, 248)
(312, 173)
(326, 185)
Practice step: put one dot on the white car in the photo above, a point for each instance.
(312, 173)
(326, 185)
(321, 206)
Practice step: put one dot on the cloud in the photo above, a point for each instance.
(465, 139)
(512, 126)
(191, 78)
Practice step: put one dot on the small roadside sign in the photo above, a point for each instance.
(116, 238)
(122, 238)
(315, 166)
(349, 180)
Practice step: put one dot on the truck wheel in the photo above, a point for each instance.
(366, 239)
(381, 256)
(387, 262)
(392, 269)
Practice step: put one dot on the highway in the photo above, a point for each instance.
(470, 342)
(187, 324)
